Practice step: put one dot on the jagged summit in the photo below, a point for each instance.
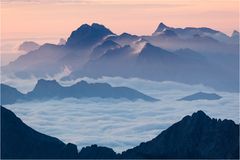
(161, 27)
(86, 35)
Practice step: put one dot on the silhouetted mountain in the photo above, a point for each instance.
(201, 96)
(19, 141)
(124, 39)
(191, 31)
(28, 46)
(96, 152)
(87, 36)
(235, 36)
(194, 137)
(187, 53)
(152, 53)
(9, 95)
(41, 62)
(101, 49)
(62, 41)
(94, 51)
(51, 89)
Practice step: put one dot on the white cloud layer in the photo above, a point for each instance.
(119, 124)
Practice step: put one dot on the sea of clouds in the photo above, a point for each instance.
(119, 124)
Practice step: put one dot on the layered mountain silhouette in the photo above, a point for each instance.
(51, 89)
(87, 36)
(201, 96)
(187, 55)
(9, 95)
(194, 137)
(28, 46)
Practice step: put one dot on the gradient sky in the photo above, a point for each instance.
(57, 18)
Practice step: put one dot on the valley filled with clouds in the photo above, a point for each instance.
(119, 124)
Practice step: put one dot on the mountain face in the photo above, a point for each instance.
(9, 95)
(97, 152)
(194, 137)
(101, 49)
(124, 39)
(151, 53)
(201, 96)
(51, 89)
(28, 46)
(187, 55)
(19, 141)
(191, 31)
(87, 36)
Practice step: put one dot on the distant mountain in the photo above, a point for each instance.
(194, 137)
(187, 55)
(124, 39)
(201, 39)
(62, 41)
(151, 53)
(51, 89)
(235, 36)
(19, 141)
(9, 95)
(101, 49)
(201, 96)
(28, 46)
(87, 36)
(191, 31)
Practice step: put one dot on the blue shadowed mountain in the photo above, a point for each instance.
(86, 36)
(101, 49)
(151, 53)
(187, 55)
(45, 89)
(201, 96)
(10, 95)
(28, 46)
(51, 89)
(194, 137)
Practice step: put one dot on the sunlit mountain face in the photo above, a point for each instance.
(105, 76)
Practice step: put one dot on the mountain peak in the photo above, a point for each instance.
(235, 33)
(161, 27)
(46, 83)
(199, 115)
(86, 36)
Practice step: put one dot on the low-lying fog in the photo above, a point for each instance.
(119, 124)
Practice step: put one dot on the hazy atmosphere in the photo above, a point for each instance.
(119, 79)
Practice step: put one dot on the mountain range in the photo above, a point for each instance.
(201, 96)
(51, 89)
(188, 55)
(194, 137)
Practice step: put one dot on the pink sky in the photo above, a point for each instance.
(57, 18)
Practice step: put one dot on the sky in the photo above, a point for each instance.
(57, 18)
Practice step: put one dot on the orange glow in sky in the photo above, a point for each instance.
(57, 18)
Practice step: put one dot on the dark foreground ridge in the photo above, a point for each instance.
(196, 136)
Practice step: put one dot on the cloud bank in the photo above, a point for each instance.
(120, 124)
